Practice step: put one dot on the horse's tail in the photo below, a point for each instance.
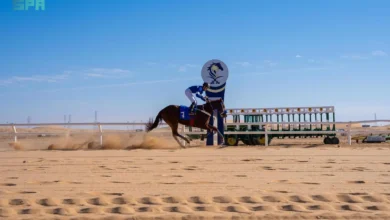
(152, 125)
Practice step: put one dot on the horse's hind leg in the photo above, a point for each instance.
(177, 140)
(181, 136)
(175, 134)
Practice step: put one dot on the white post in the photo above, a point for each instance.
(183, 129)
(266, 135)
(15, 134)
(349, 134)
(101, 134)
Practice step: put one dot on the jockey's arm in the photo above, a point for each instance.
(200, 96)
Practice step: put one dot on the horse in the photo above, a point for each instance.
(171, 115)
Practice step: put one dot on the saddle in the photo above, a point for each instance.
(184, 112)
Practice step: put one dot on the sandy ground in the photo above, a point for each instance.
(133, 176)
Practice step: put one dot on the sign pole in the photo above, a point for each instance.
(215, 72)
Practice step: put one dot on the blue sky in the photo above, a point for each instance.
(129, 59)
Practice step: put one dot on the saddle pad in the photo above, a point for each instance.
(184, 112)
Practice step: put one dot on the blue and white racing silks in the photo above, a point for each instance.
(198, 90)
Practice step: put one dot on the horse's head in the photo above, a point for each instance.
(214, 68)
(219, 106)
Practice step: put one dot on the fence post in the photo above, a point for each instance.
(183, 129)
(101, 134)
(266, 135)
(349, 134)
(15, 133)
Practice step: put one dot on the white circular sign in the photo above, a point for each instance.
(215, 72)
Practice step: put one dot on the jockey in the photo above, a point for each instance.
(198, 90)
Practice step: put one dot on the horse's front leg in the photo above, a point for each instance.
(211, 129)
(214, 130)
(222, 137)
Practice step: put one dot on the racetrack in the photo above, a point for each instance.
(293, 179)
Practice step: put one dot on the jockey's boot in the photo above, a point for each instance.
(192, 108)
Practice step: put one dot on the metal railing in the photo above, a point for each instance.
(98, 124)
(266, 132)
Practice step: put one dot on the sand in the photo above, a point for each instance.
(148, 177)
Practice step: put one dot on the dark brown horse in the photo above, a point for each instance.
(171, 115)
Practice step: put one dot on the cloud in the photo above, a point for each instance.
(310, 60)
(353, 57)
(151, 63)
(327, 62)
(115, 73)
(185, 67)
(5, 82)
(270, 63)
(243, 64)
(310, 69)
(36, 79)
(300, 70)
(126, 84)
(107, 73)
(376, 53)
(95, 75)
(254, 73)
(182, 69)
(298, 56)
(379, 53)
